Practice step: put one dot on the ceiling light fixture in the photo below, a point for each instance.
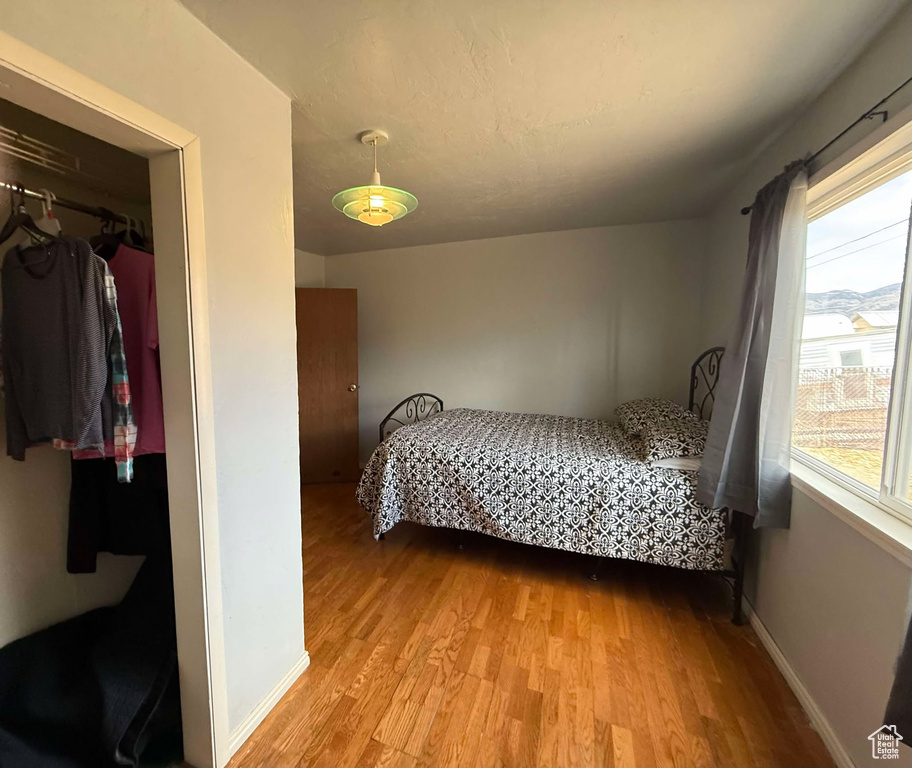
(375, 204)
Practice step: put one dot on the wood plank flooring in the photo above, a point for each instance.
(507, 655)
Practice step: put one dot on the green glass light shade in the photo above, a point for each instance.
(375, 204)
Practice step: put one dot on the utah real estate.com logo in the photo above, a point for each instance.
(885, 743)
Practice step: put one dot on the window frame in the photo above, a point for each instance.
(883, 155)
(898, 450)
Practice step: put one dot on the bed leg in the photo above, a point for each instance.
(460, 540)
(737, 619)
(381, 537)
(596, 568)
(741, 526)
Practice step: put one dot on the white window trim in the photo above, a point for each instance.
(827, 191)
(864, 514)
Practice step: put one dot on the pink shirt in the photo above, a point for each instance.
(134, 276)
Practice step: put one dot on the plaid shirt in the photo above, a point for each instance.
(124, 428)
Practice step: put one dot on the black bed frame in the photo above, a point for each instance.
(413, 409)
(704, 377)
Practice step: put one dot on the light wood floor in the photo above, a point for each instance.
(507, 655)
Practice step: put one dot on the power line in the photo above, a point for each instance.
(849, 242)
(858, 250)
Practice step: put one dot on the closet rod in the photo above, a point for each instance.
(98, 212)
(870, 114)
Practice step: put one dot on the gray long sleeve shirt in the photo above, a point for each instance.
(57, 327)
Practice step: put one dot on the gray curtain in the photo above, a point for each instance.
(746, 462)
(899, 706)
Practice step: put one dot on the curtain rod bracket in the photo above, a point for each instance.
(869, 115)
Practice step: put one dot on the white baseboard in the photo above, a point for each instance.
(815, 715)
(239, 735)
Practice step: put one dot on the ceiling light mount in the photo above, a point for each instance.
(375, 204)
(376, 137)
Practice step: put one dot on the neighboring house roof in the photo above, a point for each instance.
(826, 324)
(864, 320)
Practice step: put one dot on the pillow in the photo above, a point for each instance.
(674, 438)
(681, 463)
(637, 415)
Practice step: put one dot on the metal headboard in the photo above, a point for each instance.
(413, 409)
(704, 376)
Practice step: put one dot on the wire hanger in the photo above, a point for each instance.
(21, 219)
(131, 235)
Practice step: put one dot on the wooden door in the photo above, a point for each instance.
(327, 321)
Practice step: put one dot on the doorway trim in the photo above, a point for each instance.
(38, 82)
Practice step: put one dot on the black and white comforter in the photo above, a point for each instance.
(572, 484)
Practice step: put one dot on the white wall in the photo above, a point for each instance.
(568, 323)
(832, 600)
(882, 67)
(35, 589)
(310, 269)
(180, 70)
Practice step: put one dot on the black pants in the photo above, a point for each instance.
(121, 518)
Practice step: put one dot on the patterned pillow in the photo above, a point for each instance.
(674, 438)
(638, 415)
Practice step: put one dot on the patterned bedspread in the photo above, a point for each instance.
(572, 484)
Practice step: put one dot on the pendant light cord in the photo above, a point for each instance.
(374, 142)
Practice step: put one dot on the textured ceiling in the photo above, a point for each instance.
(514, 116)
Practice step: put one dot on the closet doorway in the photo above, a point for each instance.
(42, 85)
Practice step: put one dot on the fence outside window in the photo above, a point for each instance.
(842, 407)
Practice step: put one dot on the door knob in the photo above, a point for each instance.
(352, 387)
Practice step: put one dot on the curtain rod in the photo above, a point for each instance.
(98, 212)
(870, 114)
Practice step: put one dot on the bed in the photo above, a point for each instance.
(574, 484)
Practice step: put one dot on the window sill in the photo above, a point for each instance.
(889, 533)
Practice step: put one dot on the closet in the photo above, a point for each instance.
(88, 651)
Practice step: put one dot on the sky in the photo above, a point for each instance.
(862, 245)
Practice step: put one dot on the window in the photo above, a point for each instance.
(853, 414)
(849, 358)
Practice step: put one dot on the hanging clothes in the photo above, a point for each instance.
(134, 274)
(104, 515)
(124, 519)
(64, 365)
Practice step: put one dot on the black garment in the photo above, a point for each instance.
(98, 690)
(122, 518)
(49, 699)
(899, 706)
